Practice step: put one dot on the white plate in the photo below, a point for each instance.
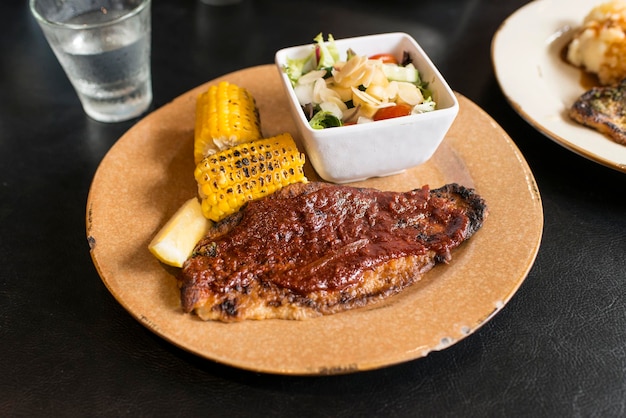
(526, 53)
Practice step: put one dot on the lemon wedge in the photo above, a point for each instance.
(176, 240)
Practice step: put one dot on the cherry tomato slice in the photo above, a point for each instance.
(396, 111)
(386, 58)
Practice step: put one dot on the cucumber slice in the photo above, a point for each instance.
(397, 73)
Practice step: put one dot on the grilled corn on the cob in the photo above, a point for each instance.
(226, 115)
(230, 178)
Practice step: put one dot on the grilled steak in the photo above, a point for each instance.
(316, 248)
(603, 109)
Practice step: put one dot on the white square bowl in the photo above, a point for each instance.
(381, 148)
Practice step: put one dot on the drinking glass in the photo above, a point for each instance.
(104, 48)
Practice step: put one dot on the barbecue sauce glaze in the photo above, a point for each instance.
(326, 239)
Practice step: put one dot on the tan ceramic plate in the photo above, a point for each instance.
(147, 174)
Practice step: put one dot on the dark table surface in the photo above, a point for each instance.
(68, 348)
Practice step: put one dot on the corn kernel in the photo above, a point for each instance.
(228, 179)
